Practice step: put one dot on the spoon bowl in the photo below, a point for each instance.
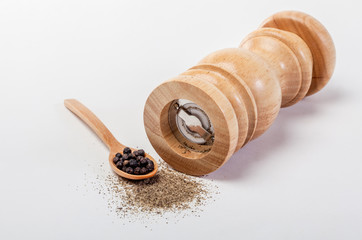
(119, 172)
(106, 136)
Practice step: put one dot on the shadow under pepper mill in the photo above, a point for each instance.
(198, 119)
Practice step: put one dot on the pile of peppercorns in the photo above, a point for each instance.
(133, 163)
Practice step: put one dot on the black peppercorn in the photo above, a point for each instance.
(137, 170)
(141, 152)
(133, 163)
(126, 163)
(127, 150)
(149, 161)
(120, 161)
(129, 170)
(150, 167)
(143, 170)
(143, 162)
(119, 165)
(115, 160)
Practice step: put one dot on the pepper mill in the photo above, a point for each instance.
(198, 119)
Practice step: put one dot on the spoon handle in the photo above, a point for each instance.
(93, 122)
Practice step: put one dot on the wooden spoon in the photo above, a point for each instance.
(103, 133)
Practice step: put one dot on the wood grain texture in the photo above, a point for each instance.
(289, 56)
(238, 94)
(213, 102)
(258, 75)
(316, 36)
(106, 136)
(242, 89)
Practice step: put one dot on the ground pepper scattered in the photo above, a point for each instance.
(168, 191)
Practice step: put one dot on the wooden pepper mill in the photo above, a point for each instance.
(198, 119)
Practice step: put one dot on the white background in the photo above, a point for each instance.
(301, 180)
